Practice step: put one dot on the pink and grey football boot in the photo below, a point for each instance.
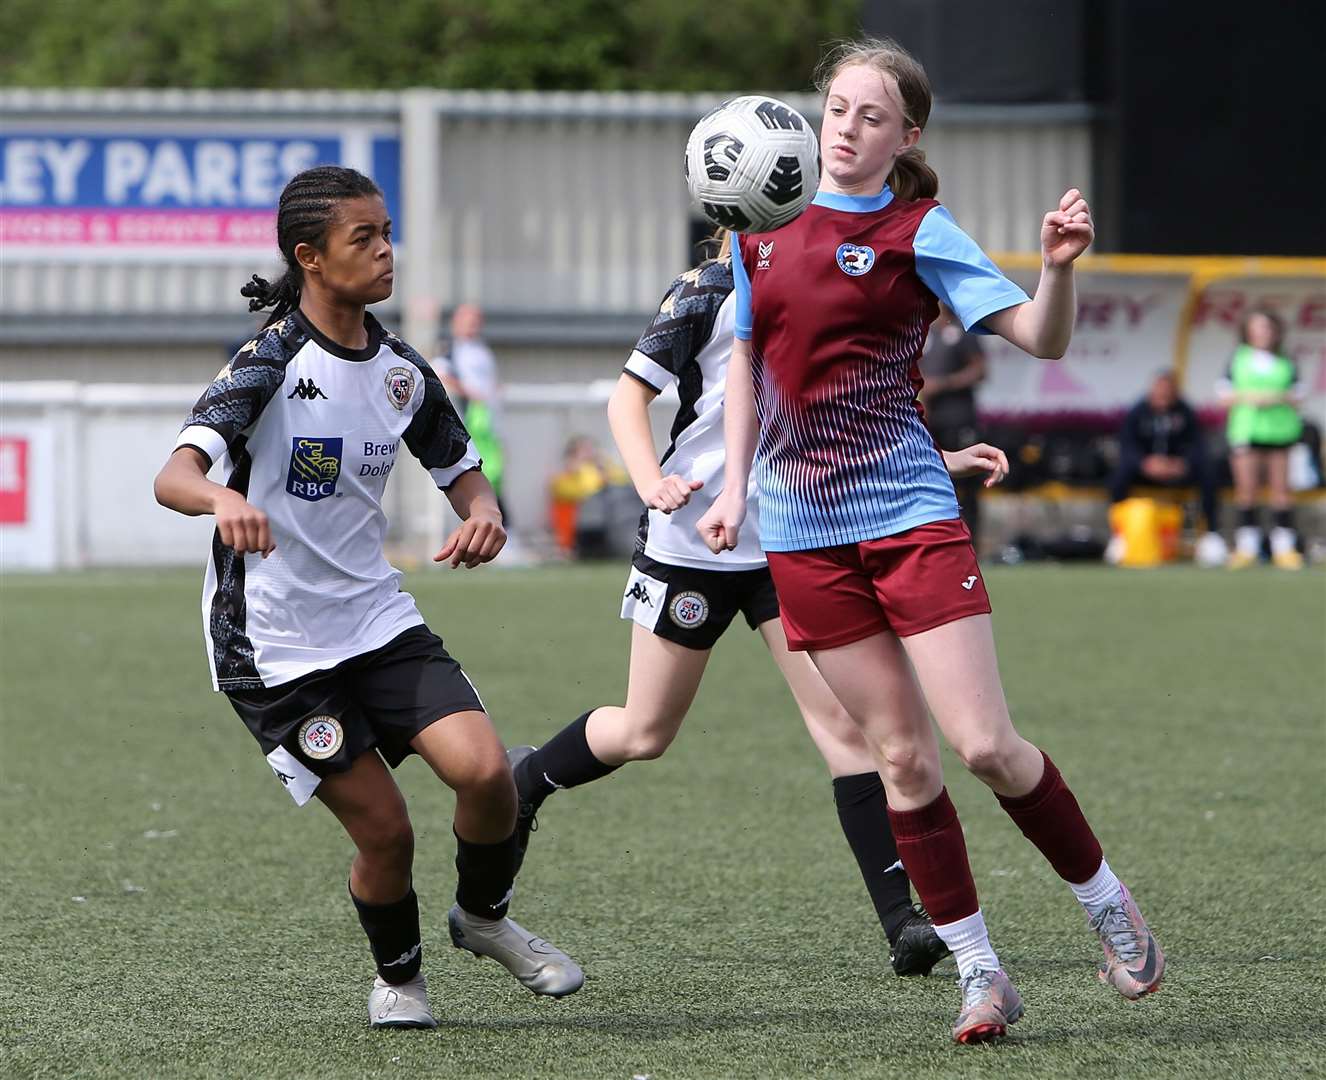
(1134, 964)
(989, 1004)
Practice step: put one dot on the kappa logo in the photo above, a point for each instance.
(405, 957)
(855, 260)
(315, 465)
(306, 390)
(969, 583)
(637, 592)
(766, 253)
(284, 777)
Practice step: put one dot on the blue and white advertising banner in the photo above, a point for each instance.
(194, 188)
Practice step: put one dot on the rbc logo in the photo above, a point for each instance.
(855, 260)
(314, 466)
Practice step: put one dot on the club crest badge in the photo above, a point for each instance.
(688, 610)
(400, 387)
(855, 260)
(320, 737)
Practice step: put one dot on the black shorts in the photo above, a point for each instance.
(693, 607)
(319, 723)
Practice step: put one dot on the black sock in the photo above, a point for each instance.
(1247, 517)
(564, 761)
(487, 875)
(865, 822)
(1284, 519)
(393, 935)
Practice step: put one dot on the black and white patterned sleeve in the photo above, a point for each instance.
(436, 434)
(683, 324)
(237, 396)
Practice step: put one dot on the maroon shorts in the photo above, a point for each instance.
(908, 583)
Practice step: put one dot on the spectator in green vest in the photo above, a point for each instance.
(1260, 389)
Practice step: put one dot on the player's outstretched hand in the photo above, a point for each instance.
(242, 525)
(981, 457)
(720, 527)
(1066, 232)
(476, 540)
(671, 493)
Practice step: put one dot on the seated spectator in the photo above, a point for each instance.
(1161, 443)
(580, 516)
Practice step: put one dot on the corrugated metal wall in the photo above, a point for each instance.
(563, 214)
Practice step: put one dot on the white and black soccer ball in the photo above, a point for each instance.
(753, 164)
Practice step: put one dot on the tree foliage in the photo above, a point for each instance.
(482, 44)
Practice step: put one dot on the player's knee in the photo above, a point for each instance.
(388, 839)
(650, 743)
(986, 757)
(906, 766)
(490, 778)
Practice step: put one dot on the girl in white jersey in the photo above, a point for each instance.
(319, 650)
(682, 597)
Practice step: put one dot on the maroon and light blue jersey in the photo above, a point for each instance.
(836, 306)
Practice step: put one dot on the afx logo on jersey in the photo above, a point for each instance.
(855, 260)
(766, 253)
(315, 464)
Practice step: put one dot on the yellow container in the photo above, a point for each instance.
(1150, 531)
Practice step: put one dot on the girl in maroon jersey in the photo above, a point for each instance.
(875, 572)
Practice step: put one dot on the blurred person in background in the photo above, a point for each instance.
(1161, 442)
(469, 373)
(587, 475)
(1260, 389)
(953, 365)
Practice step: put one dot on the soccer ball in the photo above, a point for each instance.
(752, 164)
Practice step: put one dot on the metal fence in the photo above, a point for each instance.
(563, 214)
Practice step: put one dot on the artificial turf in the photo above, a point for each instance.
(169, 912)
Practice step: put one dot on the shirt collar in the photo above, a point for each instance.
(854, 204)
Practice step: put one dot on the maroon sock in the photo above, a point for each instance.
(934, 855)
(1050, 818)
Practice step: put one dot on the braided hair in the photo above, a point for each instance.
(307, 207)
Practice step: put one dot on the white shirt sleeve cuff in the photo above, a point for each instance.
(444, 478)
(206, 439)
(650, 371)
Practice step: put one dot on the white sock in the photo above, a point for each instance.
(1098, 890)
(969, 942)
(1248, 540)
(1283, 540)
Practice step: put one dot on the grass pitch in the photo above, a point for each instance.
(168, 912)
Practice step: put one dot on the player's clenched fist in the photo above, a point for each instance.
(720, 527)
(241, 525)
(671, 493)
(1066, 232)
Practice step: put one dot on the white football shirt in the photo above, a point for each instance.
(308, 431)
(690, 341)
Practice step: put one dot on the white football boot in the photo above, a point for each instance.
(403, 1005)
(537, 965)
